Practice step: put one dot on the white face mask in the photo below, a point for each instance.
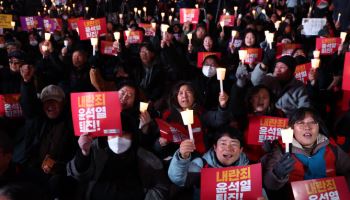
(119, 144)
(209, 71)
(33, 43)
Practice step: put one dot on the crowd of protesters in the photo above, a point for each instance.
(40, 158)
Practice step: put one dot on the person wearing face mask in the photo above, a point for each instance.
(115, 167)
(206, 83)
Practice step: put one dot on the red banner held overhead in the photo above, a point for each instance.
(10, 106)
(263, 128)
(202, 55)
(52, 24)
(346, 72)
(325, 188)
(189, 15)
(242, 182)
(96, 113)
(285, 49)
(327, 46)
(107, 48)
(135, 37)
(149, 30)
(254, 55)
(302, 72)
(73, 23)
(92, 28)
(229, 20)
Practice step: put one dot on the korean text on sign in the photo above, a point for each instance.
(270, 128)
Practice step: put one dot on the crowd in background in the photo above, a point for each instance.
(41, 158)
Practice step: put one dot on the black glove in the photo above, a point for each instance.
(284, 166)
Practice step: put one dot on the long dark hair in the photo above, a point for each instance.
(253, 91)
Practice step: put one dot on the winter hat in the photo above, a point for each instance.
(52, 92)
(289, 61)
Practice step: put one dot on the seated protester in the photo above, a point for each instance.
(290, 92)
(78, 78)
(10, 77)
(115, 167)
(227, 151)
(206, 83)
(313, 155)
(47, 142)
(183, 97)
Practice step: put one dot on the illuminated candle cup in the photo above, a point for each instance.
(242, 55)
(220, 73)
(287, 137)
(315, 63)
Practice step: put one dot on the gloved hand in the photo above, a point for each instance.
(241, 75)
(284, 166)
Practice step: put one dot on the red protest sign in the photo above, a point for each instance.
(202, 55)
(263, 128)
(229, 20)
(97, 113)
(327, 46)
(170, 132)
(10, 106)
(346, 72)
(254, 55)
(189, 15)
(106, 48)
(302, 72)
(92, 28)
(149, 30)
(73, 23)
(242, 182)
(52, 24)
(325, 188)
(135, 37)
(285, 49)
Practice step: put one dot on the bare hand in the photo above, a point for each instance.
(145, 118)
(186, 148)
(163, 142)
(27, 72)
(85, 142)
(223, 98)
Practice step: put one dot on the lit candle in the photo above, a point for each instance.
(87, 9)
(127, 33)
(233, 35)
(270, 6)
(135, 10)
(47, 36)
(277, 24)
(287, 137)
(172, 9)
(239, 16)
(164, 28)
(94, 42)
(283, 18)
(310, 9)
(242, 55)
(38, 13)
(315, 63)
(170, 18)
(13, 24)
(139, 12)
(77, 30)
(116, 36)
(145, 11)
(338, 17)
(120, 16)
(222, 24)
(343, 36)
(189, 36)
(65, 43)
(153, 24)
(187, 118)
(196, 5)
(143, 108)
(224, 10)
(254, 13)
(73, 5)
(220, 73)
(316, 53)
(263, 11)
(269, 39)
(162, 14)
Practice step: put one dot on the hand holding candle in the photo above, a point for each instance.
(315, 63)
(287, 137)
(189, 36)
(220, 73)
(316, 53)
(47, 36)
(13, 24)
(343, 36)
(187, 118)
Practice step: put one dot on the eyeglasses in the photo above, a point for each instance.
(308, 124)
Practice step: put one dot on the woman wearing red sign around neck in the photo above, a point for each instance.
(116, 167)
(313, 155)
(227, 151)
